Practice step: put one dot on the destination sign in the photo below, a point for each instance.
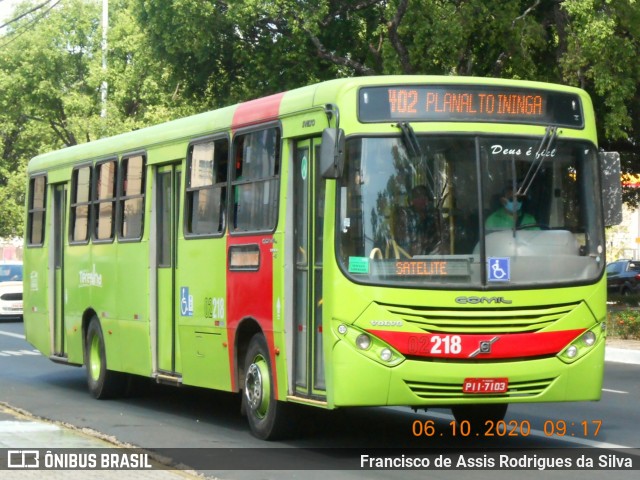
(469, 103)
(415, 268)
(418, 267)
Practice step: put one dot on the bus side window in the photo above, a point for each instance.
(105, 200)
(131, 201)
(37, 210)
(255, 180)
(207, 187)
(80, 203)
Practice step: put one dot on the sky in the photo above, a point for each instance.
(6, 9)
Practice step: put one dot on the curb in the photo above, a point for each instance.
(622, 355)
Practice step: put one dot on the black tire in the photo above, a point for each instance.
(266, 416)
(102, 382)
(478, 415)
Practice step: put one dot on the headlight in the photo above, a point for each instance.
(386, 354)
(582, 345)
(368, 344)
(363, 341)
(589, 338)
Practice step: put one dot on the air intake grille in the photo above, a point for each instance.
(481, 320)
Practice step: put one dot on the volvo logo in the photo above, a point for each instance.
(476, 300)
(386, 323)
(484, 348)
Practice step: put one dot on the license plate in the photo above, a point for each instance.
(485, 385)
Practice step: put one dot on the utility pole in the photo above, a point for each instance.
(105, 85)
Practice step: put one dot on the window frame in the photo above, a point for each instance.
(235, 183)
(32, 211)
(122, 198)
(96, 201)
(222, 186)
(74, 204)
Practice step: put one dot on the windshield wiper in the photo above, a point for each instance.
(411, 143)
(410, 139)
(544, 150)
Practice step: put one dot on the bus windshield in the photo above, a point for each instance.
(470, 211)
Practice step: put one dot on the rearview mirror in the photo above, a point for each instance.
(332, 153)
(611, 188)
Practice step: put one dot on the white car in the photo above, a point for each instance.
(11, 300)
(10, 271)
(10, 291)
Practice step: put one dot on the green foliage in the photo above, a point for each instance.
(12, 201)
(51, 76)
(170, 58)
(474, 38)
(230, 51)
(600, 56)
(624, 324)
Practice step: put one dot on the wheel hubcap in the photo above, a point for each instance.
(94, 358)
(257, 388)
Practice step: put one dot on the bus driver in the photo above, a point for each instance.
(510, 210)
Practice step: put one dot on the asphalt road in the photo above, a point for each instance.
(160, 418)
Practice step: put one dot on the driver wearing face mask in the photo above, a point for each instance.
(510, 214)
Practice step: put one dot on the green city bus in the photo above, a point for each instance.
(333, 246)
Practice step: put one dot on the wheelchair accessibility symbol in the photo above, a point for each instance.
(186, 302)
(499, 269)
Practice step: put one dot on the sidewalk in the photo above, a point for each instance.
(20, 431)
(622, 351)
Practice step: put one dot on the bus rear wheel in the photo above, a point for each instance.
(265, 414)
(102, 382)
(479, 415)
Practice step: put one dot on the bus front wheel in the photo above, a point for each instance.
(264, 413)
(479, 415)
(102, 383)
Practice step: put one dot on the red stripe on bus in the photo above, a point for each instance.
(257, 111)
(250, 297)
(479, 347)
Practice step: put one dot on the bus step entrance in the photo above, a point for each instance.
(168, 379)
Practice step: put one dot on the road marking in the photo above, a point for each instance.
(18, 353)
(614, 391)
(13, 426)
(11, 334)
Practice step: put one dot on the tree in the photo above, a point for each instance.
(603, 43)
(229, 51)
(169, 58)
(50, 77)
(12, 199)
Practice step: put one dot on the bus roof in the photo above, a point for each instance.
(248, 113)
